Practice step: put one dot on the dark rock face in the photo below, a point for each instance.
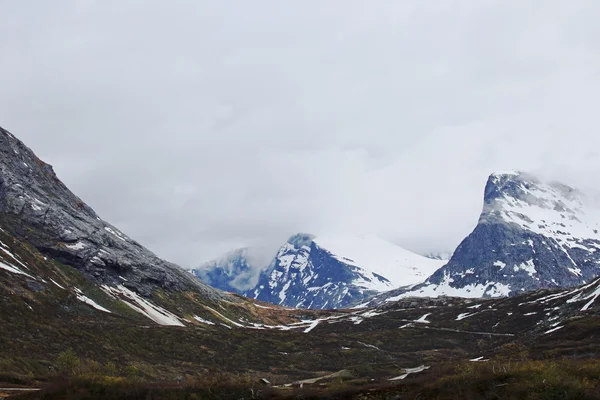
(37, 207)
(530, 235)
(303, 275)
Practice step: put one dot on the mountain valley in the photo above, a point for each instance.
(87, 312)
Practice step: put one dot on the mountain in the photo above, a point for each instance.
(324, 272)
(531, 234)
(86, 312)
(230, 273)
(36, 205)
(54, 249)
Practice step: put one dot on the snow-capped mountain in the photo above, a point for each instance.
(57, 254)
(325, 272)
(530, 235)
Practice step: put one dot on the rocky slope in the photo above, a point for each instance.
(323, 272)
(56, 253)
(35, 205)
(55, 296)
(530, 235)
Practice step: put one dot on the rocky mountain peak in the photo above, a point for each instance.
(331, 271)
(552, 209)
(37, 207)
(301, 240)
(531, 234)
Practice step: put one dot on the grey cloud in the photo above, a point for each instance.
(198, 127)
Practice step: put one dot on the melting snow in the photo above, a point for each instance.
(423, 319)
(312, 326)
(203, 321)
(370, 346)
(116, 233)
(575, 271)
(371, 313)
(14, 270)
(593, 298)
(500, 264)
(478, 359)
(465, 315)
(553, 330)
(53, 281)
(225, 318)
(6, 251)
(81, 297)
(528, 267)
(76, 246)
(263, 307)
(491, 289)
(378, 258)
(143, 306)
(409, 371)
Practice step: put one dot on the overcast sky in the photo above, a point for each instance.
(201, 126)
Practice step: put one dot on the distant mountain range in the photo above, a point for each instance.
(530, 235)
(71, 284)
(323, 272)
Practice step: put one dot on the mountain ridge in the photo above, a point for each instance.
(55, 305)
(530, 235)
(330, 271)
(36, 205)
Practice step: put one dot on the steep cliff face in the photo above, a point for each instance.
(37, 207)
(530, 235)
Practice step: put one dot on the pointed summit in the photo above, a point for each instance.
(332, 271)
(531, 234)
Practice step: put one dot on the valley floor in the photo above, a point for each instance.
(500, 378)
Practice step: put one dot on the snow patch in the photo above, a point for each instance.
(378, 258)
(143, 306)
(203, 321)
(489, 289)
(553, 330)
(14, 270)
(312, 326)
(53, 281)
(84, 299)
(465, 315)
(116, 233)
(409, 371)
(478, 359)
(423, 319)
(76, 246)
